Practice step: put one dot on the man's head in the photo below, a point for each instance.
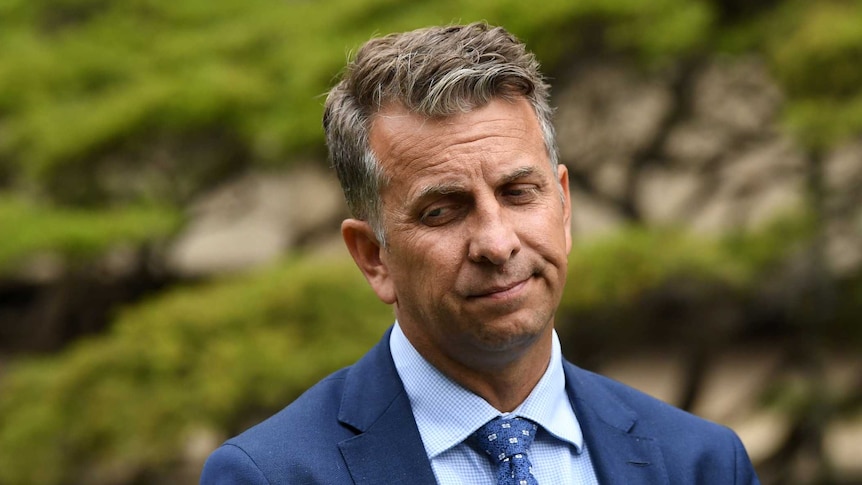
(443, 142)
(434, 72)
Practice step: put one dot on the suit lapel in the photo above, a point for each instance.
(388, 447)
(619, 456)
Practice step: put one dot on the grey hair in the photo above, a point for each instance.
(434, 72)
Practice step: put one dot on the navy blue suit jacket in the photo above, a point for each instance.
(356, 426)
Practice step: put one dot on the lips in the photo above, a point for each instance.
(500, 291)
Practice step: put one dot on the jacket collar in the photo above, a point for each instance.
(388, 447)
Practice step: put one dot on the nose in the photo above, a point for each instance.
(493, 238)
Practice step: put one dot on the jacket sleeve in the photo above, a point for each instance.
(230, 465)
(745, 474)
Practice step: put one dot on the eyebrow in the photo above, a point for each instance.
(517, 174)
(456, 188)
(440, 189)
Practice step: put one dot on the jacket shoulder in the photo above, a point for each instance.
(644, 410)
(694, 449)
(300, 442)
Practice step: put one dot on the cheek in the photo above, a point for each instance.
(427, 262)
(547, 236)
(437, 262)
(438, 271)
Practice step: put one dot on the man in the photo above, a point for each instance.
(443, 143)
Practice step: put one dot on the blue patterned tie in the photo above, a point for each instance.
(506, 442)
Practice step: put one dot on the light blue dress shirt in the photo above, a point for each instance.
(447, 413)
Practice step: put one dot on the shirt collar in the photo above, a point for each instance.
(447, 413)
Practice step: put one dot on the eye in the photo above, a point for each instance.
(439, 214)
(520, 193)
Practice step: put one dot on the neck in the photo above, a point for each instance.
(504, 382)
(506, 389)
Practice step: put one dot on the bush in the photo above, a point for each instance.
(76, 233)
(212, 357)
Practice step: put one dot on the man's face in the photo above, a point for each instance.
(477, 231)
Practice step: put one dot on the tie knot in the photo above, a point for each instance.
(504, 438)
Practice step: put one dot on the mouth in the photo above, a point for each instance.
(504, 291)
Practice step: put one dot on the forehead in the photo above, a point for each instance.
(410, 146)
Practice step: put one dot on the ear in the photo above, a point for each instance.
(563, 174)
(363, 246)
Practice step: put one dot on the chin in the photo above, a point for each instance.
(508, 335)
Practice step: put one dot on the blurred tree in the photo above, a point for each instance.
(115, 115)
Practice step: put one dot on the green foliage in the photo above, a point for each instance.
(818, 64)
(615, 270)
(179, 95)
(773, 243)
(823, 122)
(197, 358)
(84, 83)
(813, 49)
(821, 53)
(155, 100)
(77, 233)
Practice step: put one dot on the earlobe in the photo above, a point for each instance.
(365, 250)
